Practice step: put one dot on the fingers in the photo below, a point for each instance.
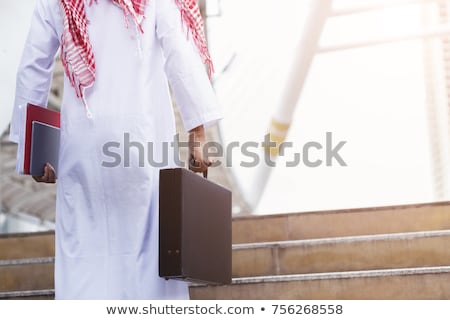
(38, 179)
(49, 175)
(197, 161)
(199, 166)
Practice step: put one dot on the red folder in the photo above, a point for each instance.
(41, 114)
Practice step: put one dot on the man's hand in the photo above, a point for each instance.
(197, 161)
(49, 175)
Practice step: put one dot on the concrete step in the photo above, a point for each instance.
(26, 274)
(28, 295)
(27, 245)
(312, 255)
(283, 227)
(391, 251)
(400, 284)
(342, 223)
(394, 251)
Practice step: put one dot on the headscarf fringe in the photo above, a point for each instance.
(76, 51)
(192, 20)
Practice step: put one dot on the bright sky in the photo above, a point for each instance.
(373, 98)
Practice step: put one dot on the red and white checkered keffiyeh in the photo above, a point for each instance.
(76, 51)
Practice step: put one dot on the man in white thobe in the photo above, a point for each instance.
(107, 215)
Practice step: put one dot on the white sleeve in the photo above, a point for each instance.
(34, 75)
(185, 71)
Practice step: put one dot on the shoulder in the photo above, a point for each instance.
(50, 12)
(48, 5)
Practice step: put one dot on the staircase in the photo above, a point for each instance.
(26, 266)
(399, 252)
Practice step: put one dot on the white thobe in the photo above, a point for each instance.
(107, 188)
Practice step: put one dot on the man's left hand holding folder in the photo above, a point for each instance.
(49, 175)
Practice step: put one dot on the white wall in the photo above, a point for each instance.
(14, 24)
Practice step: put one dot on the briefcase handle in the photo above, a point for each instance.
(192, 164)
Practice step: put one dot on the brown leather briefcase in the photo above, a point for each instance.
(194, 228)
